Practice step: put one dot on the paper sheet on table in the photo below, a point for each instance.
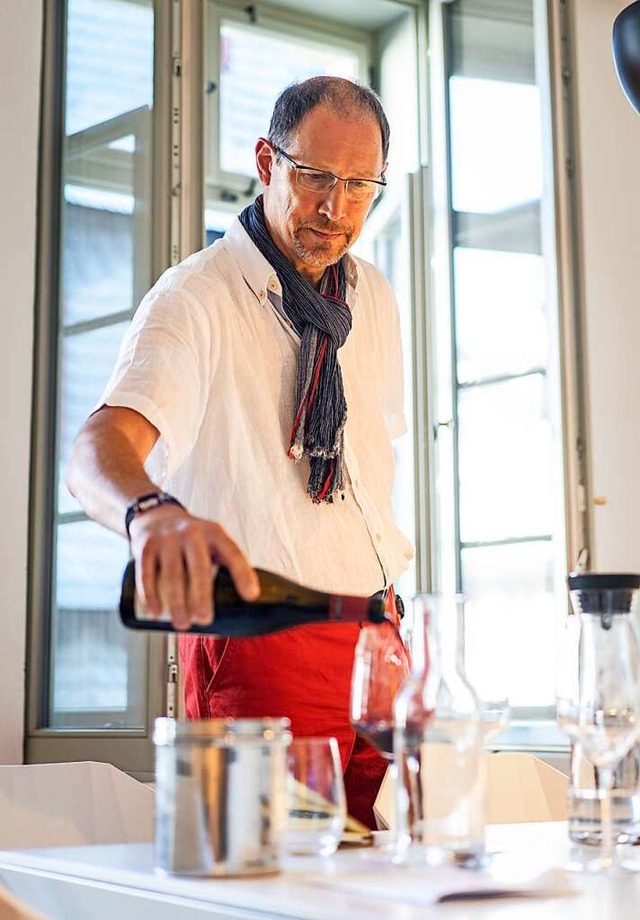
(422, 886)
(72, 804)
(304, 798)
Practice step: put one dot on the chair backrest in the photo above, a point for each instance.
(72, 804)
(520, 788)
(12, 909)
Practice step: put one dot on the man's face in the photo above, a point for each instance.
(315, 229)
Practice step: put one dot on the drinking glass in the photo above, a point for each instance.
(380, 670)
(598, 702)
(316, 802)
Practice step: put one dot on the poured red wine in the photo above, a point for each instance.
(282, 605)
(379, 734)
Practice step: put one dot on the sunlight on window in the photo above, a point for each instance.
(506, 461)
(109, 60)
(501, 322)
(510, 619)
(496, 146)
(255, 66)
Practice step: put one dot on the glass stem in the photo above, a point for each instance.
(605, 782)
(412, 780)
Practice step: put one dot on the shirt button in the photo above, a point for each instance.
(273, 285)
(378, 537)
(262, 294)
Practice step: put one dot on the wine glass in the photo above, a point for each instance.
(380, 670)
(598, 701)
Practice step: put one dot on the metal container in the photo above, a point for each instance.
(220, 795)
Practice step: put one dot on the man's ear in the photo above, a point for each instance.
(265, 155)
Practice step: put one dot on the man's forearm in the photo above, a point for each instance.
(106, 470)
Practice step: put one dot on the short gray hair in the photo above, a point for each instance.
(340, 95)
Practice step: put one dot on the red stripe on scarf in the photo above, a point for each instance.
(308, 399)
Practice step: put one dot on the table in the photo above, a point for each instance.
(118, 881)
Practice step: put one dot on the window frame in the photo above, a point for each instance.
(128, 749)
(533, 728)
(221, 184)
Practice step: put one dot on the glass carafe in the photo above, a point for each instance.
(608, 594)
(439, 744)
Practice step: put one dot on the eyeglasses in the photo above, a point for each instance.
(315, 180)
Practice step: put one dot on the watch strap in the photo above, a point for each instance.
(146, 503)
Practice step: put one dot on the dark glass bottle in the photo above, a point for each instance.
(282, 604)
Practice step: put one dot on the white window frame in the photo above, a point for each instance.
(306, 29)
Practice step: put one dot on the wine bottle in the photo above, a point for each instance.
(282, 604)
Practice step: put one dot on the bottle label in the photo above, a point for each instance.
(143, 615)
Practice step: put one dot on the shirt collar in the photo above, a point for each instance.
(258, 272)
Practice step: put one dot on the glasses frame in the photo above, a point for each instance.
(300, 168)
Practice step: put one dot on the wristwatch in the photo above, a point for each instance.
(146, 503)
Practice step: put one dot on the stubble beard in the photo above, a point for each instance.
(323, 253)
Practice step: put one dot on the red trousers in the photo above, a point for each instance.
(303, 674)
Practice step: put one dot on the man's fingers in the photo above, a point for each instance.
(174, 566)
(229, 553)
(200, 583)
(172, 586)
(146, 587)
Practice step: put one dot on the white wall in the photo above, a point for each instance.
(20, 51)
(609, 158)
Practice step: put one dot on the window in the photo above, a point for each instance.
(109, 225)
(498, 445)
(479, 482)
(94, 675)
(250, 57)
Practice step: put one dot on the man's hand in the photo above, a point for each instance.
(174, 551)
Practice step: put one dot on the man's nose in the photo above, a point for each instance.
(334, 202)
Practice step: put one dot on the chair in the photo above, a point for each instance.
(12, 909)
(523, 788)
(520, 788)
(72, 804)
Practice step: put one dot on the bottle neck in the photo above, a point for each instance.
(443, 631)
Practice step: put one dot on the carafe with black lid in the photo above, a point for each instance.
(604, 594)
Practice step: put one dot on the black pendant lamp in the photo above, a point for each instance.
(626, 52)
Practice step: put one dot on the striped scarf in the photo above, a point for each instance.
(322, 319)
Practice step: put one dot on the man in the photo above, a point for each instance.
(260, 382)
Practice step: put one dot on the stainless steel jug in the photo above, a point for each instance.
(220, 795)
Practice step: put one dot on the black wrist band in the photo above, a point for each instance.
(146, 503)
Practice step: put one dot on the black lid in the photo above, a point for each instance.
(602, 581)
(603, 593)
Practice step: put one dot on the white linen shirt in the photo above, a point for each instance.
(211, 362)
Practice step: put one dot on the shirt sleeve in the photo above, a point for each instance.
(163, 371)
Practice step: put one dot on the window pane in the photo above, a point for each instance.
(98, 259)
(510, 622)
(506, 461)
(109, 60)
(97, 670)
(87, 360)
(256, 64)
(510, 539)
(496, 152)
(501, 325)
(99, 678)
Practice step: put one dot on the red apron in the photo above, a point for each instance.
(303, 674)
